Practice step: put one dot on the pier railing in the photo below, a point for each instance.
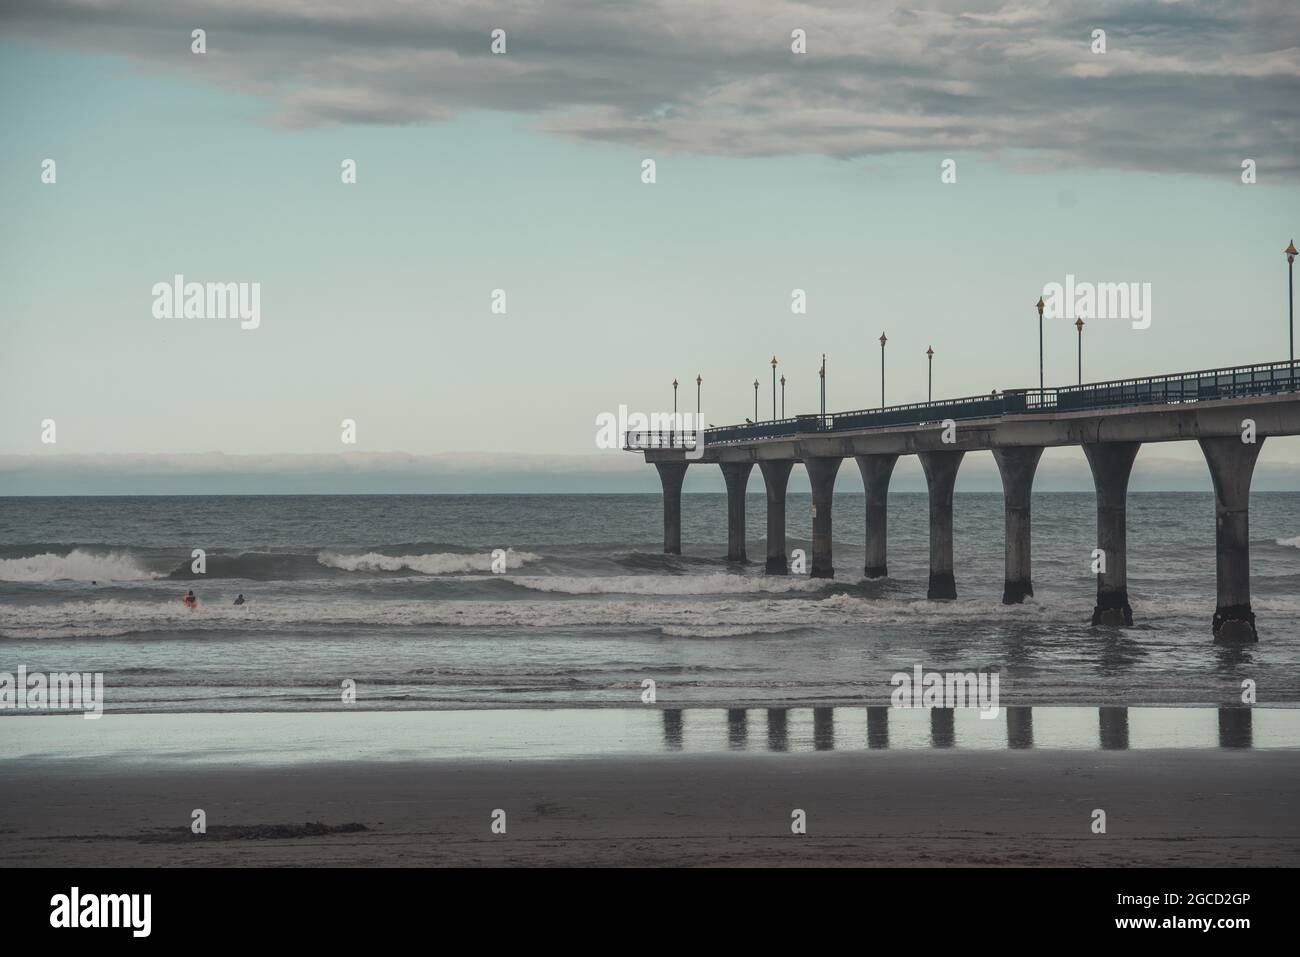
(1270, 378)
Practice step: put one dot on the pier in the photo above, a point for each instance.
(1228, 412)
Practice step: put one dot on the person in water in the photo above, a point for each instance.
(239, 600)
(190, 601)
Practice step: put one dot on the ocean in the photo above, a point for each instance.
(397, 594)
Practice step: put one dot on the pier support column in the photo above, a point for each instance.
(737, 477)
(941, 475)
(670, 476)
(776, 473)
(821, 476)
(1017, 466)
(876, 470)
(1111, 463)
(1232, 462)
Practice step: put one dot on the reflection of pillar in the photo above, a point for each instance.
(778, 739)
(737, 729)
(673, 729)
(1113, 728)
(776, 473)
(876, 470)
(877, 727)
(824, 729)
(1235, 728)
(736, 475)
(821, 476)
(942, 731)
(1231, 463)
(670, 476)
(1020, 727)
(1111, 464)
(941, 476)
(1017, 466)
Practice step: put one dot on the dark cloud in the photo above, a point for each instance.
(1192, 86)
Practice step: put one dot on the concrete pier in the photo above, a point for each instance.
(876, 470)
(776, 475)
(1111, 464)
(1232, 462)
(821, 476)
(736, 475)
(670, 476)
(1017, 466)
(940, 476)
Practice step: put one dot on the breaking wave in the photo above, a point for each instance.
(440, 563)
(77, 565)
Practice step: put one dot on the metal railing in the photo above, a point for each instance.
(1271, 378)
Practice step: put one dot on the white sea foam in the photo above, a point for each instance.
(1293, 542)
(438, 563)
(717, 583)
(77, 565)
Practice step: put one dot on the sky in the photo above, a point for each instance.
(523, 172)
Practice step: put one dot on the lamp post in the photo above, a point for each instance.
(1078, 324)
(783, 395)
(755, 400)
(674, 397)
(699, 381)
(774, 387)
(929, 386)
(1040, 348)
(1290, 297)
(822, 374)
(883, 340)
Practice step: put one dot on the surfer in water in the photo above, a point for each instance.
(239, 600)
(190, 601)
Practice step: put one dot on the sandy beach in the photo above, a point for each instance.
(895, 808)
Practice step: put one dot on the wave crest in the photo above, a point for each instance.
(77, 565)
(439, 563)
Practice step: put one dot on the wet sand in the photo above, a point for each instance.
(885, 808)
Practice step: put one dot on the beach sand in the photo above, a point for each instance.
(888, 808)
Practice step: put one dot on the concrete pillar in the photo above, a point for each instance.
(942, 727)
(1232, 462)
(1017, 467)
(1111, 463)
(821, 476)
(941, 475)
(876, 470)
(1236, 728)
(673, 729)
(776, 473)
(737, 729)
(670, 476)
(737, 477)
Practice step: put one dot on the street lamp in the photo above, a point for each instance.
(1040, 348)
(929, 387)
(755, 400)
(674, 397)
(822, 375)
(1078, 324)
(773, 387)
(699, 381)
(883, 340)
(783, 395)
(1290, 297)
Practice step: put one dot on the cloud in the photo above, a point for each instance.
(1192, 86)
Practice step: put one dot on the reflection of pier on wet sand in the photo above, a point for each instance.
(1012, 726)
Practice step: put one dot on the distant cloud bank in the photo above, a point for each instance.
(215, 473)
(1192, 86)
